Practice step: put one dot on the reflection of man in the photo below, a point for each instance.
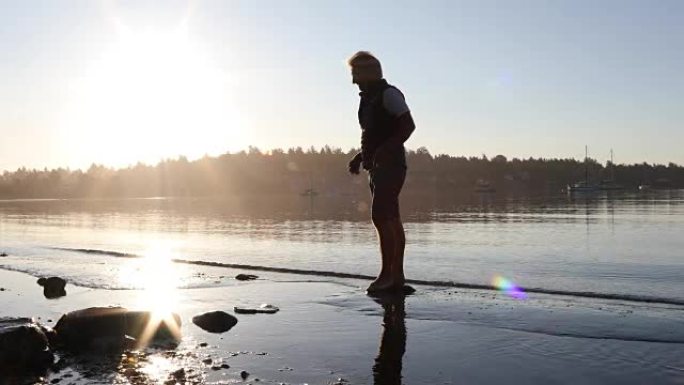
(388, 363)
(386, 123)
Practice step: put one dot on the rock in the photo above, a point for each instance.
(265, 308)
(246, 277)
(215, 321)
(207, 361)
(112, 328)
(23, 346)
(225, 366)
(3, 254)
(244, 374)
(178, 374)
(53, 287)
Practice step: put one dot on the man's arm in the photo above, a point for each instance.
(405, 127)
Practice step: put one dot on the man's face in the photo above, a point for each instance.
(362, 75)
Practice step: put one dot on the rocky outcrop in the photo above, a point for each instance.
(114, 328)
(53, 287)
(24, 346)
(215, 321)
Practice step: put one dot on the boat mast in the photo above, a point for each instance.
(586, 165)
(612, 166)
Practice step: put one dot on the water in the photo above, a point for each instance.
(628, 243)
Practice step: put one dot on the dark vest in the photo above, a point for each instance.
(377, 125)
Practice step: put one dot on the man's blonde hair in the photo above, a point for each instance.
(365, 61)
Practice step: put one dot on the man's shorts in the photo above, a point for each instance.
(385, 185)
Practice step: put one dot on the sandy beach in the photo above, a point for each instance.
(330, 332)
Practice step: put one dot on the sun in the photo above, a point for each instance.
(152, 94)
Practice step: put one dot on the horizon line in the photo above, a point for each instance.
(305, 150)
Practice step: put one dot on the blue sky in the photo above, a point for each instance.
(519, 78)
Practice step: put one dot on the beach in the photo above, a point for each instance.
(554, 291)
(331, 332)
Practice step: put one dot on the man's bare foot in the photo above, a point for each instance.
(380, 283)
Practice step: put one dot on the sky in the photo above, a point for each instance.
(115, 83)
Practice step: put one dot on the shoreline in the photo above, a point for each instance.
(330, 332)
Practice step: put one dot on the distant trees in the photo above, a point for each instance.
(274, 172)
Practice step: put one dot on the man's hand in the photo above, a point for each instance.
(355, 164)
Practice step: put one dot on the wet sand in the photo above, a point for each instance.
(330, 332)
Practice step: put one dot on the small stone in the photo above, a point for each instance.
(216, 367)
(129, 372)
(244, 374)
(215, 321)
(203, 345)
(246, 277)
(53, 287)
(178, 374)
(225, 366)
(3, 254)
(2, 289)
(264, 308)
(56, 380)
(207, 361)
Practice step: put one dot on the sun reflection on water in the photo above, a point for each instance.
(157, 277)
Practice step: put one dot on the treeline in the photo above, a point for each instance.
(294, 171)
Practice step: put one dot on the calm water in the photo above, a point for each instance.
(626, 243)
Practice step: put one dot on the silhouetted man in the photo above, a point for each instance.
(386, 123)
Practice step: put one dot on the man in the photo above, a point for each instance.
(386, 123)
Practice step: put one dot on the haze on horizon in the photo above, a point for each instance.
(115, 83)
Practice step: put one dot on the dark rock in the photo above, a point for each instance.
(266, 309)
(112, 328)
(246, 277)
(215, 368)
(178, 374)
(244, 374)
(207, 361)
(23, 346)
(53, 287)
(215, 321)
(225, 366)
(203, 345)
(3, 254)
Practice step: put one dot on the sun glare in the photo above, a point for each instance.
(158, 278)
(153, 94)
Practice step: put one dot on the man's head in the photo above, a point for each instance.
(365, 68)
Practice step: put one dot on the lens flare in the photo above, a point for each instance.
(507, 286)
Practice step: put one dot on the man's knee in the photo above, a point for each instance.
(382, 219)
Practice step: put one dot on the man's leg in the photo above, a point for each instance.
(386, 237)
(385, 187)
(397, 263)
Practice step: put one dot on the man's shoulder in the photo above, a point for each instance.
(394, 101)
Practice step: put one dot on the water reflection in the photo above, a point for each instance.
(388, 363)
(158, 277)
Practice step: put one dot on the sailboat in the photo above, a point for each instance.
(611, 184)
(583, 186)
